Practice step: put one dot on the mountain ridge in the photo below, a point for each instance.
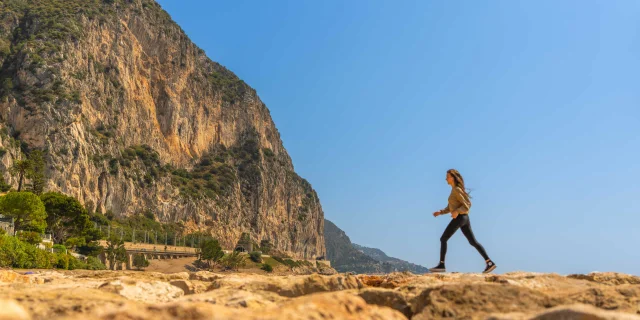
(346, 256)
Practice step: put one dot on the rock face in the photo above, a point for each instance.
(133, 117)
(346, 256)
(143, 295)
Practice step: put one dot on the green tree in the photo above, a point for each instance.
(20, 169)
(30, 237)
(27, 210)
(115, 251)
(75, 242)
(140, 262)
(36, 172)
(66, 217)
(4, 186)
(211, 251)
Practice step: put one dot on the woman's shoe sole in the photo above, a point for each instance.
(493, 267)
(435, 270)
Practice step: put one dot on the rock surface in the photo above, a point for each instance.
(208, 295)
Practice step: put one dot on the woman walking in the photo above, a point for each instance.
(459, 205)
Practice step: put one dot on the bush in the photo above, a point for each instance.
(140, 262)
(233, 261)
(267, 267)
(256, 256)
(18, 254)
(62, 261)
(75, 263)
(94, 263)
(59, 248)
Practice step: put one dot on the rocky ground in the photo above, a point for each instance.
(86, 295)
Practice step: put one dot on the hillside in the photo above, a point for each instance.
(346, 256)
(135, 118)
(392, 263)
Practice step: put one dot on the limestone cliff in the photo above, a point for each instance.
(133, 117)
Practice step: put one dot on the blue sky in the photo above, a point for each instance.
(536, 103)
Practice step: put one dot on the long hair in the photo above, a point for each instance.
(458, 181)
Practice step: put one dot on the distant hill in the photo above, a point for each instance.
(396, 264)
(349, 257)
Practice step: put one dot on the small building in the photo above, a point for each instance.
(6, 224)
(244, 244)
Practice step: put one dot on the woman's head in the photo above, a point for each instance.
(454, 179)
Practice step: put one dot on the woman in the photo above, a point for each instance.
(459, 205)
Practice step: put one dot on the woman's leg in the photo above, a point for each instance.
(453, 226)
(466, 230)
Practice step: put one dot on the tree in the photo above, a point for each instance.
(140, 262)
(66, 217)
(233, 260)
(36, 172)
(27, 210)
(30, 237)
(20, 169)
(115, 251)
(4, 186)
(211, 251)
(75, 242)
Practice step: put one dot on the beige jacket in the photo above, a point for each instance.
(459, 202)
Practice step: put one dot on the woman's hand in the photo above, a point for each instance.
(454, 214)
(437, 213)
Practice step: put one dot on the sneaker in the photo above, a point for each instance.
(439, 268)
(490, 267)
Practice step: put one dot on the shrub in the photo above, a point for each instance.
(59, 248)
(62, 261)
(256, 256)
(75, 263)
(94, 263)
(233, 261)
(267, 267)
(140, 262)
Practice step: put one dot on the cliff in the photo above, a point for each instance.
(133, 117)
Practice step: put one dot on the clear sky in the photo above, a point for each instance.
(536, 103)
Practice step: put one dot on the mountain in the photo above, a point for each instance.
(395, 263)
(343, 256)
(346, 256)
(134, 118)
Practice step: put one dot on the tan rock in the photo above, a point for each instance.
(189, 287)
(612, 278)
(335, 305)
(387, 298)
(178, 276)
(155, 291)
(9, 276)
(237, 298)
(582, 312)
(11, 310)
(291, 286)
(204, 276)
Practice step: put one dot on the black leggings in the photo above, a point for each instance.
(460, 222)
